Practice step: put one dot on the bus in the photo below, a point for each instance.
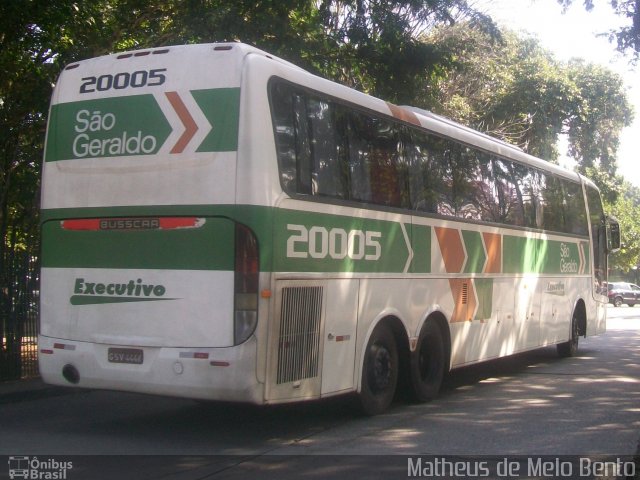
(220, 224)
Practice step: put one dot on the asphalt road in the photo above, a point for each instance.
(529, 404)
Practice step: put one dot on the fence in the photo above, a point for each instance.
(19, 294)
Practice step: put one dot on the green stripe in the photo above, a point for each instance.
(59, 248)
(101, 300)
(106, 127)
(484, 291)
(136, 125)
(315, 242)
(222, 109)
(476, 257)
(421, 243)
(211, 247)
(519, 254)
(540, 256)
(587, 256)
(145, 210)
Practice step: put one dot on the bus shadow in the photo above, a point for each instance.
(503, 388)
(245, 424)
(500, 367)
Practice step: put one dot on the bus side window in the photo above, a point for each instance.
(329, 176)
(576, 212)
(430, 176)
(375, 155)
(285, 134)
(326, 148)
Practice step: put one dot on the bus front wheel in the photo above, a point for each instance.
(379, 371)
(428, 363)
(570, 348)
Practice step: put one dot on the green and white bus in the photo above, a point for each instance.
(218, 223)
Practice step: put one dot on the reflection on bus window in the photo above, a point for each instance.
(330, 149)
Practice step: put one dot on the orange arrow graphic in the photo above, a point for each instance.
(190, 126)
(452, 248)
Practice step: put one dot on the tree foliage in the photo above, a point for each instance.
(625, 209)
(24, 88)
(600, 113)
(509, 87)
(376, 44)
(514, 89)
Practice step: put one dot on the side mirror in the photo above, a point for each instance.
(613, 235)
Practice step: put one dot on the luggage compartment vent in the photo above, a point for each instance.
(299, 340)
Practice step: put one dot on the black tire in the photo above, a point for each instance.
(617, 302)
(570, 348)
(428, 363)
(379, 371)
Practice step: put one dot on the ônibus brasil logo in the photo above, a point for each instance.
(92, 293)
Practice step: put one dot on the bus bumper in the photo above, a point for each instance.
(227, 374)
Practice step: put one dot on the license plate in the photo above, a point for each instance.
(133, 356)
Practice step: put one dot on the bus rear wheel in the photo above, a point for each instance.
(428, 363)
(379, 371)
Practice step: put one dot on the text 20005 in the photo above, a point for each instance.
(122, 80)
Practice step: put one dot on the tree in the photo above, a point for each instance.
(514, 89)
(600, 113)
(37, 38)
(625, 210)
(508, 87)
(375, 46)
(627, 38)
(370, 45)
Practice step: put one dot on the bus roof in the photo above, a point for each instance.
(239, 48)
(425, 119)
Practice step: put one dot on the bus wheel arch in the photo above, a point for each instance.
(430, 360)
(384, 358)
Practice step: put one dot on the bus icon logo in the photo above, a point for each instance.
(18, 467)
